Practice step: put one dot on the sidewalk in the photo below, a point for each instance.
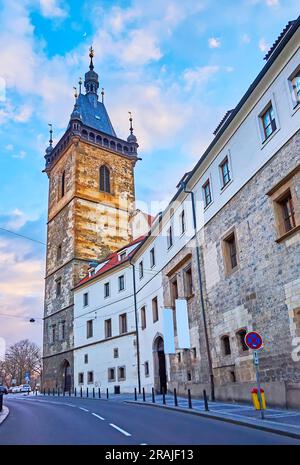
(285, 422)
(3, 414)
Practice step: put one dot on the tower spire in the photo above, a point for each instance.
(130, 121)
(102, 94)
(91, 55)
(80, 84)
(50, 134)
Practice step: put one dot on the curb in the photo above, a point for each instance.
(4, 414)
(262, 427)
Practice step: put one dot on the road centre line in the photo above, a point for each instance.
(120, 429)
(84, 409)
(98, 416)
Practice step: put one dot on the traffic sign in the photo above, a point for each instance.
(253, 340)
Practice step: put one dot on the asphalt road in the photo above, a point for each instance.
(39, 420)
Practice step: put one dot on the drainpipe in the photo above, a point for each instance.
(211, 375)
(136, 328)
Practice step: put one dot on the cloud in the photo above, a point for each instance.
(14, 220)
(246, 39)
(22, 154)
(199, 76)
(9, 147)
(272, 3)
(262, 45)
(214, 42)
(52, 9)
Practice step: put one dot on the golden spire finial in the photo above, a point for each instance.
(91, 55)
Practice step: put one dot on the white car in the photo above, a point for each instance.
(25, 388)
(15, 389)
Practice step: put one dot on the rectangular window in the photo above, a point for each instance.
(59, 249)
(116, 353)
(106, 290)
(85, 299)
(170, 237)
(155, 309)
(90, 377)
(174, 291)
(123, 323)
(207, 193)
(147, 369)
(152, 257)
(89, 328)
(86, 358)
(188, 281)
(122, 255)
(230, 253)
(141, 269)
(268, 121)
(111, 374)
(121, 373)
(225, 172)
(52, 334)
(295, 87)
(121, 283)
(182, 222)
(107, 328)
(80, 378)
(62, 330)
(287, 212)
(58, 287)
(143, 317)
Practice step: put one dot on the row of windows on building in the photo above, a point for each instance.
(226, 344)
(267, 124)
(113, 374)
(107, 326)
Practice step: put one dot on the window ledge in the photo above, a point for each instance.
(267, 140)
(288, 234)
(295, 108)
(223, 188)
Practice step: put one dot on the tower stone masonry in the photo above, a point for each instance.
(91, 200)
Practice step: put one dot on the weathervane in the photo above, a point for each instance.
(130, 119)
(91, 55)
(102, 94)
(51, 133)
(80, 84)
(75, 92)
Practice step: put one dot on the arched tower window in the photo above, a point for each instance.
(63, 181)
(104, 179)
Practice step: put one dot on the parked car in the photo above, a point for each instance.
(25, 388)
(3, 390)
(15, 389)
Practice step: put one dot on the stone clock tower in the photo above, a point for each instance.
(91, 199)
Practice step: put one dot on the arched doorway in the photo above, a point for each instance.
(160, 375)
(67, 377)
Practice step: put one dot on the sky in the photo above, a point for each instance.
(177, 66)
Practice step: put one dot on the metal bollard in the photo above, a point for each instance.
(75, 392)
(99, 393)
(64, 392)
(1, 401)
(164, 396)
(107, 395)
(81, 392)
(36, 392)
(135, 394)
(70, 392)
(53, 392)
(94, 393)
(205, 400)
(175, 398)
(144, 397)
(190, 398)
(58, 392)
(44, 392)
(87, 391)
(153, 396)
(49, 392)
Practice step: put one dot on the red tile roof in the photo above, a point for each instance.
(112, 260)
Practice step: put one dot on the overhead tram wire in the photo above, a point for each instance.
(22, 236)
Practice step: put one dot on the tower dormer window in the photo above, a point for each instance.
(104, 179)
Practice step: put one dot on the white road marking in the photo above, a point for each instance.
(120, 429)
(84, 409)
(98, 416)
(69, 405)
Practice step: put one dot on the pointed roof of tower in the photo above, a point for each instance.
(92, 112)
